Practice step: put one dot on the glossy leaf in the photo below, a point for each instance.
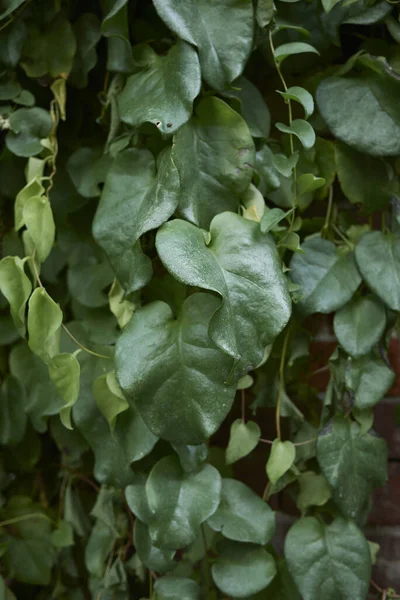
(243, 439)
(163, 91)
(313, 550)
(215, 156)
(359, 325)
(302, 96)
(252, 107)
(234, 271)
(352, 463)
(302, 130)
(174, 503)
(28, 127)
(242, 515)
(292, 48)
(370, 379)
(16, 287)
(223, 37)
(280, 460)
(242, 569)
(378, 258)
(133, 188)
(327, 279)
(173, 372)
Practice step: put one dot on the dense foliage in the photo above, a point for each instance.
(183, 184)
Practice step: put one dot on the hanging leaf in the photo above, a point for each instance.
(378, 258)
(327, 279)
(121, 308)
(16, 287)
(223, 38)
(175, 517)
(242, 569)
(109, 398)
(292, 48)
(44, 325)
(242, 515)
(38, 218)
(352, 463)
(28, 127)
(359, 325)
(243, 439)
(163, 91)
(134, 189)
(215, 157)
(280, 460)
(301, 96)
(302, 130)
(173, 372)
(232, 270)
(64, 371)
(313, 549)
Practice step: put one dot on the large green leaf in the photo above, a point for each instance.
(215, 156)
(352, 463)
(328, 561)
(356, 117)
(135, 200)
(16, 287)
(12, 411)
(378, 258)
(173, 372)
(28, 127)
(327, 279)
(242, 265)
(242, 515)
(162, 92)
(173, 503)
(242, 569)
(370, 379)
(222, 31)
(170, 588)
(359, 325)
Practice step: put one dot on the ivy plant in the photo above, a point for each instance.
(189, 190)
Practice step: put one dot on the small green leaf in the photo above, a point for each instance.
(370, 379)
(171, 588)
(242, 515)
(33, 188)
(301, 129)
(284, 164)
(16, 287)
(64, 371)
(291, 48)
(280, 460)
(359, 325)
(121, 308)
(352, 463)
(63, 536)
(314, 549)
(243, 439)
(308, 183)
(28, 127)
(44, 325)
(109, 398)
(373, 549)
(314, 490)
(242, 569)
(273, 217)
(302, 96)
(38, 218)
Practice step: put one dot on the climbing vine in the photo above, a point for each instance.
(189, 192)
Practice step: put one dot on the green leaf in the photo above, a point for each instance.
(160, 561)
(314, 550)
(87, 34)
(242, 515)
(103, 508)
(121, 308)
(64, 371)
(378, 258)
(329, 4)
(264, 12)
(301, 96)
(8, 6)
(16, 287)
(44, 325)
(239, 262)
(243, 439)
(173, 503)
(74, 512)
(38, 218)
(364, 179)
(133, 188)
(173, 372)
(302, 130)
(28, 127)
(49, 52)
(223, 37)
(363, 124)
(34, 187)
(88, 167)
(242, 569)
(280, 460)
(252, 107)
(115, 27)
(327, 279)
(282, 586)
(12, 411)
(370, 379)
(284, 164)
(98, 547)
(163, 91)
(352, 463)
(109, 398)
(87, 282)
(63, 536)
(291, 48)
(272, 217)
(308, 183)
(192, 457)
(359, 325)
(171, 588)
(314, 490)
(215, 156)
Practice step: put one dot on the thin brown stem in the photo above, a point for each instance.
(81, 476)
(82, 347)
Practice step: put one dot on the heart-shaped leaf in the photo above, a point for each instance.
(243, 439)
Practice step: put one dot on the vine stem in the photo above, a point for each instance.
(281, 379)
(270, 442)
(329, 210)
(15, 15)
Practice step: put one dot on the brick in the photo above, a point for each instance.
(386, 500)
(385, 424)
